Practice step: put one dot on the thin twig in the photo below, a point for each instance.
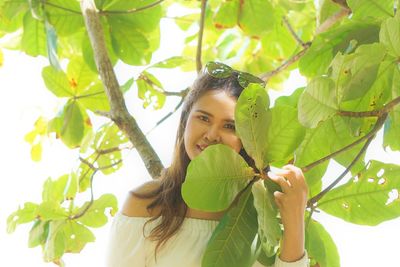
(286, 64)
(290, 28)
(161, 90)
(129, 11)
(315, 199)
(200, 36)
(377, 126)
(373, 113)
(166, 117)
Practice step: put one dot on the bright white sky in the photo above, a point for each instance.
(24, 99)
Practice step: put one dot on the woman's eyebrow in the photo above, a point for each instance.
(209, 114)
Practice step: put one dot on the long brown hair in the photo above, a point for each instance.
(167, 196)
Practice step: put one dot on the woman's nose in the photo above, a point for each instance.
(213, 134)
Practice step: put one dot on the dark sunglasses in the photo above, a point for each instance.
(221, 71)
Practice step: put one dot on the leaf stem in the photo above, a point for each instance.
(373, 113)
(200, 37)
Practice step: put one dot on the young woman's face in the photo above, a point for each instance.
(211, 121)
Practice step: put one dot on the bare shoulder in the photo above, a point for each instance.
(137, 207)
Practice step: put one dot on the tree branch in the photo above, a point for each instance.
(268, 75)
(373, 113)
(133, 10)
(200, 36)
(377, 126)
(332, 20)
(315, 199)
(118, 111)
(290, 28)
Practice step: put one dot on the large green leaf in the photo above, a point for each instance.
(252, 121)
(94, 98)
(284, 134)
(392, 125)
(371, 8)
(226, 15)
(256, 17)
(326, 45)
(233, 243)
(214, 178)
(369, 198)
(38, 233)
(69, 124)
(34, 40)
(318, 102)
(354, 74)
(26, 214)
(269, 229)
(95, 216)
(12, 14)
(80, 76)
(320, 245)
(57, 82)
(76, 236)
(390, 35)
(55, 242)
(65, 16)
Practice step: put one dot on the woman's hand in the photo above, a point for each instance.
(291, 202)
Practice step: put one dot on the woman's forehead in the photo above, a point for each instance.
(216, 102)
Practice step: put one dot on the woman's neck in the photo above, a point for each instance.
(198, 214)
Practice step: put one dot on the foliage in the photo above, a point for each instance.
(351, 60)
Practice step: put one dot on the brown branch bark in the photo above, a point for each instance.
(200, 36)
(118, 111)
(292, 32)
(332, 20)
(378, 125)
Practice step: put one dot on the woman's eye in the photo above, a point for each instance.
(203, 118)
(231, 127)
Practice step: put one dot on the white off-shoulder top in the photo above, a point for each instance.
(128, 247)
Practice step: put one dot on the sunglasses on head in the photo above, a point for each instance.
(221, 71)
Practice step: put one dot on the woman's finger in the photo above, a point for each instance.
(284, 184)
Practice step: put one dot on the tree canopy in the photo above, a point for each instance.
(349, 52)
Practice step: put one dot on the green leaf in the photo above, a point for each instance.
(55, 242)
(51, 38)
(127, 85)
(370, 198)
(51, 210)
(233, 242)
(65, 16)
(11, 14)
(69, 124)
(76, 236)
(57, 82)
(318, 102)
(169, 63)
(53, 190)
(214, 178)
(24, 215)
(226, 14)
(80, 76)
(36, 152)
(326, 45)
(252, 119)
(320, 245)
(38, 233)
(284, 134)
(150, 90)
(371, 8)
(269, 229)
(256, 17)
(34, 37)
(354, 74)
(392, 125)
(390, 35)
(94, 98)
(327, 9)
(95, 216)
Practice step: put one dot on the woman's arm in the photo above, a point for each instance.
(291, 202)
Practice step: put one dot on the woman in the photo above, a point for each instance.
(157, 228)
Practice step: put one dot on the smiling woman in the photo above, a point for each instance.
(156, 227)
